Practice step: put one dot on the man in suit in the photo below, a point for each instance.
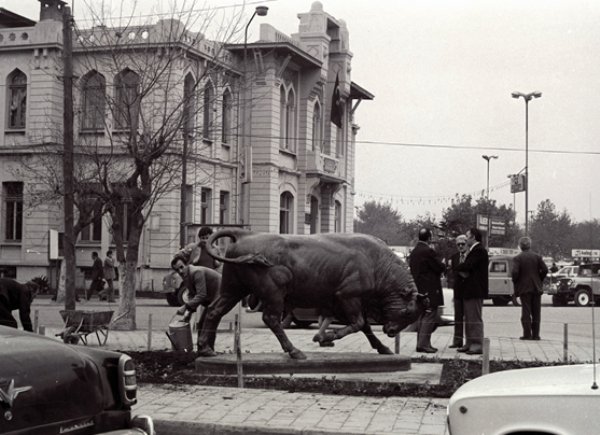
(456, 259)
(528, 274)
(203, 283)
(97, 276)
(426, 269)
(475, 288)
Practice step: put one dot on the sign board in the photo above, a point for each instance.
(518, 183)
(585, 253)
(503, 251)
(498, 227)
(495, 224)
(482, 222)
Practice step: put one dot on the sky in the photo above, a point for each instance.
(442, 73)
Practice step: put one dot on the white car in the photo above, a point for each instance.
(562, 400)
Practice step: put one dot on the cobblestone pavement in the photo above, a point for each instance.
(215, 410)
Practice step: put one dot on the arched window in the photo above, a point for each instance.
(288, 119)
(227, 117)
(93, 101)
(127, 100)
(317, 127)
(286, 213)
(17, 100)
(188, 104)
(207, 108)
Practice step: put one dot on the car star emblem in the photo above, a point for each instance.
(11, 394)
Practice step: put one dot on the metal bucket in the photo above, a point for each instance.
(180, 336)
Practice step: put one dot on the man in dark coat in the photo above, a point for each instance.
(16, 296)
(426, 269)
(475, 288)
(97, 276)
(203, 283)
(457, 285)
(528, 274)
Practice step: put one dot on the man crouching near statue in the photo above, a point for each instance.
(203, 284)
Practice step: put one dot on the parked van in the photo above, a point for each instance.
(502, 290)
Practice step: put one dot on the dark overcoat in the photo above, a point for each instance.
(15, 296)
(475, 273)
(426, 269)
(528, 273)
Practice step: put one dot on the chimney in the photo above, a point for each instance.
(51, 10)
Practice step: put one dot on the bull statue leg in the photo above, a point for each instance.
(215, 312)
(375, 342)
(273, 286)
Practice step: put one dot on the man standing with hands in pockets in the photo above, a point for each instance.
(528, 274)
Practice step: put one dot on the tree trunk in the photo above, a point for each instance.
(125, 319)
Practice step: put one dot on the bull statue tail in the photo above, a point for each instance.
(235, 234)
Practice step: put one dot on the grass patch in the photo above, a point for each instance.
(178, 368)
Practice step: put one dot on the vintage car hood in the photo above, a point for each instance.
(560, 380)
(44, 381)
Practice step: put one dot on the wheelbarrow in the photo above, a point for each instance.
(79, 324)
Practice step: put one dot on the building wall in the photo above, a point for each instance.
(322, 173)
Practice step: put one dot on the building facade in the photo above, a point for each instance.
(262, 134)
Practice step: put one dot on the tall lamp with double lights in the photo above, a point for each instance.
(527, 97)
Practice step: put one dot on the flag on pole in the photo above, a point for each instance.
(336, 104)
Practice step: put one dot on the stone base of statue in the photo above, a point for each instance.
(315, 362)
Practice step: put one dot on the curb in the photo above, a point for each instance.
(192, 428)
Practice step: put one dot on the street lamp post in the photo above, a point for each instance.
(489, 216)
(488, 158)
(246, 96)
(527, 98)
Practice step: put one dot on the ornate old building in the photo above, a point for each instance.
(261, 133)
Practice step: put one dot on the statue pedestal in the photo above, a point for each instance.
(316, 362)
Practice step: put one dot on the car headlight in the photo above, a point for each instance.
(127, 380)
(144, 423)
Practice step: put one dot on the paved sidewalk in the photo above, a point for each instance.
(215, 410)
(198, 409)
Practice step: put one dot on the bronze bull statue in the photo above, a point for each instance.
(351, 275)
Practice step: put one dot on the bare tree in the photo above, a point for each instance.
(150, 100)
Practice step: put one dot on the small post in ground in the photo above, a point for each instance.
(238, 353)
(485, 366)
(150, 331)
(566, 343)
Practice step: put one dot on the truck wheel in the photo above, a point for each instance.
(183, 295)
(582, 298)
(500, 301)
(516, 300)
(172, 300)
(558, 301)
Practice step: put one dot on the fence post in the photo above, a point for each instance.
(397, 343)
(42, 330)
(238, 353)
(150, 331)
(485, 366)
(566, 343)
(36, 318)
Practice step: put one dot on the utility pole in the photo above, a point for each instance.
(69, 237)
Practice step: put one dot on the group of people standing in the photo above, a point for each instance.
(468, 275)
(103, 271)
(469, 267)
